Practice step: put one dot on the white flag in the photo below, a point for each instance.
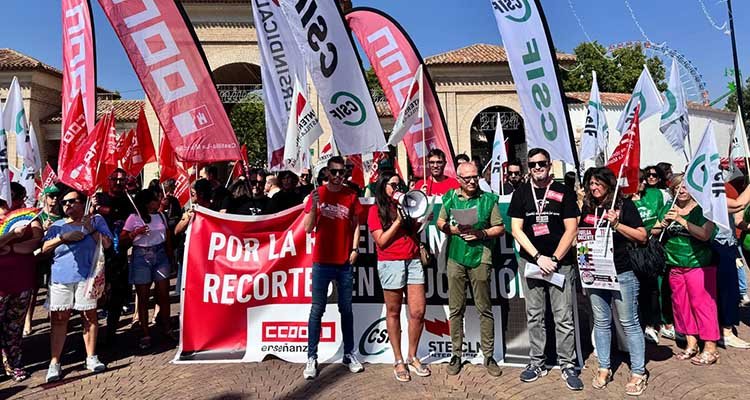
(704, 180)
(331, 58)
(647, 95)
(411, 111)
(301, 131)
(674, 115)
(738, 148)
(4, 170)
(499, 157)
(596, 131)
(14, 120)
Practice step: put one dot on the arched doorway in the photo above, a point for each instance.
(483, 133)
(236, 81)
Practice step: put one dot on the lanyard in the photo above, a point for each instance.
(539, 208)
(599, 223)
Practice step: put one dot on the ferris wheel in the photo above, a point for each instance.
(692, 80)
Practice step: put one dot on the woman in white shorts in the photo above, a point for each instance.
(400, 272)
(72, 243)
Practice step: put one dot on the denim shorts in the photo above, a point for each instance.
(69, 296)
(397, 274)
(149, 264)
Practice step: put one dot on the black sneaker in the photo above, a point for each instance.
(492, 367)
(532, 373)
(572, 381)
(454, 366)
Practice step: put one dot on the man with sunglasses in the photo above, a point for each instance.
(470, 260)
(115, 207)
(305, 182)
(544, 223)
(332, 211)
(437, 184)
(255, 202)
(513, 178)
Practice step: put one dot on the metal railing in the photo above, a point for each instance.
(236, 93)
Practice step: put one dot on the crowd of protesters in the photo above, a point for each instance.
(694, 297)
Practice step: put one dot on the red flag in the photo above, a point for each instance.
(626, 159)
(240, 164)
(169, 168)
(175, 77)
(143, 139)
(49, 177)
(79, 59)
(73, 136)
(82, 174)
(113, 151)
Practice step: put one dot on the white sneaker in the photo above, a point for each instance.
(667, 333)
(94, 365)
(745, 300)
(54, 373)
(354, 364)
(311, 368)
(651, 335)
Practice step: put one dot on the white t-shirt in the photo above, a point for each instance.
(157, 230)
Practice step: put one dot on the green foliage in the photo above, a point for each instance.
(248, 121)
(615, 76)
(373, 84)
(731, 104)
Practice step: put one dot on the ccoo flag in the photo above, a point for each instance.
(302, 130)
(596, 131)
(705, 182)
(647, 95)
(626, 157)
(411, 111)
(674, 115)
(499, 157)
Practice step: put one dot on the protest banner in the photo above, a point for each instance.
(596, 264)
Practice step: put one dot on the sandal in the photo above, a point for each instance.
(144, 343)
(705, 358)
(687, 354)
(401, 376)
(598, 382)
(638, 387)
(18, 375)
(416, 366)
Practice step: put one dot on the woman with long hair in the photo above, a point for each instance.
(72, 241)
(400, 271)
(601, 207)
(148, 232)
(692, 273)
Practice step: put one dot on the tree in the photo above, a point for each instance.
(618, 75)
(249, 123)
(731, 104)
(373, 84)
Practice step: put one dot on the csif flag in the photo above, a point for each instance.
(302, 130)
(644, 94)
(175, 76)
(281, 61)
(674, 115)
(81, 173)
(15, 122)
(626, 158)
(4, 162)
(705, 182)
(499, 157)
(334, 66)
(73, 135)
(738, 148)
(533, 64)
(412, 110)
(79, 59)
(596, 131)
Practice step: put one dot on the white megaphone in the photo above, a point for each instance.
(413, 202)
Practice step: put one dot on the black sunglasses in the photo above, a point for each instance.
(538, 164)
(652, 175)
(337, 171)
(257, 183)
(514, 173)
(68, 202)
(470, 178)
(394, 186)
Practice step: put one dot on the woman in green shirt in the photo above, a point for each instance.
(655, 296)
(692, 276)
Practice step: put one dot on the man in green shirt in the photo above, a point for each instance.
(470, 259)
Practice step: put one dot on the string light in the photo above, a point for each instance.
(713, 23)
(637, 24)
(585, 33)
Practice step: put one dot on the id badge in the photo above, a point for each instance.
(540, 229)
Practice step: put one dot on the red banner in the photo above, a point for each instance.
(113, 150)
(73, 136)
(395, 61)
(81, 174)
(170, 168)
(79, 60)
(49, 177)
(174, 75)
(625, 160)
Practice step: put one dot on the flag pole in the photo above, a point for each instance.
(421, 111)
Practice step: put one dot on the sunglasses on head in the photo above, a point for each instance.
(337, 171)
(69, 202)
(538, 164)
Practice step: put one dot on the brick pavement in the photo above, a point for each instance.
(133, 374)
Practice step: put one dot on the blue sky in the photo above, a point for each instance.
(441, 25)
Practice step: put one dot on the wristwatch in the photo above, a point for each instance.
(536, 257)
(356, 250)
(554, 259)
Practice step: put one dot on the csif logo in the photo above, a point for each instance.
(697, 174)
(317, 36)
(348, 109)
(511, 9)
(374, 340)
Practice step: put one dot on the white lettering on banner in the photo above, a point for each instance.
(77, 43)
(150, 12)
(317, 33)
(157, 33)
(233, 288)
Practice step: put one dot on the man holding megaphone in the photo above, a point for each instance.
(471, 220)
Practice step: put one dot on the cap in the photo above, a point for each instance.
(50, 189)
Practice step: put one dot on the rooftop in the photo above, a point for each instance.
(125, 111)
(480, 53)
